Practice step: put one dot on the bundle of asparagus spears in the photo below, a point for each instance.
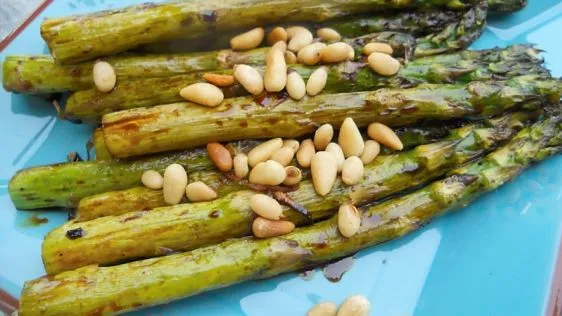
(215, 167)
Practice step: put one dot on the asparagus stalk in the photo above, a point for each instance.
(154, 281)
(506, 5)
(188, 226)
(79, 38)
(182, 125)
(458, 67)
(99, 145)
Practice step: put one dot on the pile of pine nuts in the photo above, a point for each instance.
(354, 305)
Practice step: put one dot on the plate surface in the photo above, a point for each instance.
(495, 257)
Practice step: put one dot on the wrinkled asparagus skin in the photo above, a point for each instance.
(474, 65)
(79, 38)
(188, 226)
(99, 146)
(182, 125)
(96, 290)
(503, 6)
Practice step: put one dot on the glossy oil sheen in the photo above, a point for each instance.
(495, 257)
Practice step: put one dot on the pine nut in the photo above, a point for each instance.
(267, 173)
(220, 156)
(293, 30)
(384, 135)
(283, 155)
(249, 78)
(305, 153)
(293, 175)
(349, 220)
(317, 81)
(292, 143)
(290, 57)
(263, 151)
(275, 77)
(240, 162)
(200, 192)
(247, 40)
(328, 34)
(278, 34)
(323, 136)
(266, 207)
(356, 305)
(301, 39)
(264, 228)
(335, 53)
(282, 46)
(152, 180)
(104, 76)
(296, 88)
(384, 64)
(377, 47)
(351, 55)
(175, 181)
(203, 93)
(350, 138)
(336, 150)
(371, 151)
(324, 170)
(310, 54)
(219, 80)
(323, 309)
(352, 170)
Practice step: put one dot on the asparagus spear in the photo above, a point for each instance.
(97, 290)
(182, 125)
(458, 67)
(506, 5)
(188, 226)
(99, 145)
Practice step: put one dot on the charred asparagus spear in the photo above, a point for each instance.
(99, 145)
(94, 289)
(506, 5)
(182, 125)
(459, 67)
(188, 226)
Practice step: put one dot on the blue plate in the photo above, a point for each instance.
(495, 257)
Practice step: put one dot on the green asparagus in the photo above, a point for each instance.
(188, 226)
(506, 5)
(97, 290)
(99, 146)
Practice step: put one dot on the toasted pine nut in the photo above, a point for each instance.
(282, 46)
(349, 220)
(266, 207)
(240, 162)
(335, 53)
(351, 53)
(175, 180)
(310, 54)
(249, 78)
(152, 180)
(328, 34)
(383, 64)
(104, 76)
(283, 155)
(305, 153)
(199, 192)
(323, 136)
(350, 138)
(219, 80)
(356, 305)
(371, 151)
(324, 170)
(203, 93)
(352, 170)
(296, 88)
(275, 77)
(317, 81)
(263, 151)
(220, 156)
(264, 228)
(384, 135)
(247, 40)
(377, 47)
(278, 34)
(336, 150)
(323, 309)
(293, 175)
(267, 173)
(300, 40)
(290, 57)
(293, 30)
(292, 143)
